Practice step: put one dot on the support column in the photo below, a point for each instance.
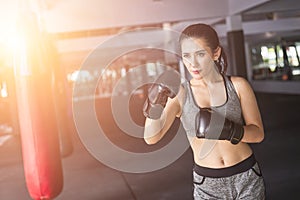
(170, 57)
(236, 46)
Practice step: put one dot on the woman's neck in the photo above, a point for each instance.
(207, 80)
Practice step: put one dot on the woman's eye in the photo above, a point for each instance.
(201, 54)
(186, 56)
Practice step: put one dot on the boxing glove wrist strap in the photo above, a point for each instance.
(237, 135)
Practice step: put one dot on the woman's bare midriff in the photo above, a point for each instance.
(218, 153)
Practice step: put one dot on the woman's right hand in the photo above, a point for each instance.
(166, 85)
(161, 106)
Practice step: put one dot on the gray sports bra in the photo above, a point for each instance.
(231, 109)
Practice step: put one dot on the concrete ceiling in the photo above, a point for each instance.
(82, 25)
(99, 19)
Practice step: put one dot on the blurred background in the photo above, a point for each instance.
(95, 45)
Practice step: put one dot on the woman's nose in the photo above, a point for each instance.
(194, 61)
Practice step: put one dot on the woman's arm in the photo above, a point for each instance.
(253, 129)
(156, 129)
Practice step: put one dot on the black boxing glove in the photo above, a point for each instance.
(157, 98)
(228, 130)
(167, 85)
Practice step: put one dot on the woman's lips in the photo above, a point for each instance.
(195, 71)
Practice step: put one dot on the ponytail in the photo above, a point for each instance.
(221, 63)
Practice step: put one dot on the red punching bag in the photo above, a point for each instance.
(38, 126)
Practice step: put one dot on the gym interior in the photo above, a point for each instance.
(74, 78)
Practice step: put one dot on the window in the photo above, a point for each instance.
(292, 55)
(276, 61)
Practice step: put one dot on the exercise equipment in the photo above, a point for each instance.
(36, 110)
(165, 86)
(217, 130)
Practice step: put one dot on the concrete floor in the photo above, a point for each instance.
(87, 178)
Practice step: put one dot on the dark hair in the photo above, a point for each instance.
(212, 40)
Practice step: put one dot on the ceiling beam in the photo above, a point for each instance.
(275, 6)
(239, 6)
(74, 15)
(258, 27)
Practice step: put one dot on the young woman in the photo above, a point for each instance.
(220, 116)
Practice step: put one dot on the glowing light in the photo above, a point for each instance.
(296, 72)
(3, 90)
(12, 41)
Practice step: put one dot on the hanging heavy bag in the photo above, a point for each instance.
(38, 128)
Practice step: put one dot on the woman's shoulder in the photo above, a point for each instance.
(238, 80)
(241, 84)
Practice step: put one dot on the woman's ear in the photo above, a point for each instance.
(217, 53)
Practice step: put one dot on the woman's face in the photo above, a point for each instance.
(198, 57)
